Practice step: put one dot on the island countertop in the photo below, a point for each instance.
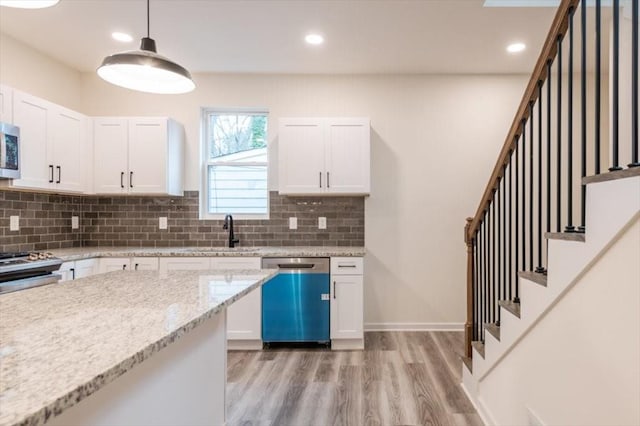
(61, 343)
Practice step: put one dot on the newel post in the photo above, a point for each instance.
(468, 331)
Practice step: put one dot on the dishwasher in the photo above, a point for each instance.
(295, 303)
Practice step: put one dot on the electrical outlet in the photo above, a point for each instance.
(293, 223)
(14, 223)
(75, 222)
(322, 223)
(162, 223)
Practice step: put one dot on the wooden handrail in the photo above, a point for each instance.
(558, 30)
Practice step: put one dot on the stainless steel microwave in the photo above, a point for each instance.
(9, 151)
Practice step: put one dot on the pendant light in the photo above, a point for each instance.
(146, 71)
(29, 4)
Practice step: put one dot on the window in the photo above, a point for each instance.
(234, 176)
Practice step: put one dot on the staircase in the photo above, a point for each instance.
(562, 206)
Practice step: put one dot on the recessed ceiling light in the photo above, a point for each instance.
(516, 47)
(123, 37)
(314, 39)
(29, 4)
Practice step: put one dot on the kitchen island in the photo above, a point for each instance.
(127, 347)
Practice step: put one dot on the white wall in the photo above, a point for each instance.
(434, 143)
(24, 68)
(580, 364)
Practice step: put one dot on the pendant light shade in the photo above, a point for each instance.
(145, 70)
(29, 4)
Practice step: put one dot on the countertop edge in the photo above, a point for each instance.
(62, 403)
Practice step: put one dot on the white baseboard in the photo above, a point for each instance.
(414, 326)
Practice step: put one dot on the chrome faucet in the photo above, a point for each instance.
(228, 225)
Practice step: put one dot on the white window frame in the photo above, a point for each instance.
(205, 162)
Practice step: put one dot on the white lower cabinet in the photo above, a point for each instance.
(184, 264)
(109, 264)
(347, 310)
(144, 264)
(244, 316)
(75, 269)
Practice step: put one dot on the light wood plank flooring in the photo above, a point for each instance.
(402, 378)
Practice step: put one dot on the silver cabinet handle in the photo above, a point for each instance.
(121, 179)
(346, 266)
(334, 289)
(328, 185)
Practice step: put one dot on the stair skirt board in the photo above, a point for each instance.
(414, 326)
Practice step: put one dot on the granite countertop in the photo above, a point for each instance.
(89, 252)
(60, 343)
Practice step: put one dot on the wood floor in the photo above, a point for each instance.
(402, 378)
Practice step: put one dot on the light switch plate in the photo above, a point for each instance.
(162, 223)
(322, 223)
(14, 223)
(75, 222)
(293, 223)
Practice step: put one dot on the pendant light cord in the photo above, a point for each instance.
(148, 19)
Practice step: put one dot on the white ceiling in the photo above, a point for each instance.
(266, 36)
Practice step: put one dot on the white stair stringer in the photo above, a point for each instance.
(611, 206)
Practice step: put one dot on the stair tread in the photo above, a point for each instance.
(566, 236)
(510, 306)
(607, 176)
(468, 363)
(536, 277)
(493, 329)
(478, 345)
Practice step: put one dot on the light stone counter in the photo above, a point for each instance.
(89, 252)
(61, 343)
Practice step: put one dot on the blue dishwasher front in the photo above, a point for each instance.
(295, 303)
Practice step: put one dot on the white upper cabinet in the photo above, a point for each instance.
(138, 156)
(324, 156)
(6, 104)
(53, 140)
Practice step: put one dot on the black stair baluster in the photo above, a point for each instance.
(524, 195)
(504, 233)
(539, 268)
(559, 141)
(530, 186)
(499, 250)
(493, 258)
(615, 90)
(583, 111)
(510, 251)
(634, 84)
(486, 272)
(548, 146)
(474, 328)
(516, 229)
(598, 86)
(570, 227)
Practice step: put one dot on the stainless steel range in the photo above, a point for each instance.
(19, 271)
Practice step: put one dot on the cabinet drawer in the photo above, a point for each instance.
(184, 264)
(235, 263)
(347, 266)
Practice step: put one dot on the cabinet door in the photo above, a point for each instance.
(110, 169)
(86, 268)
(68, 133)
(184, 264)
(144, 263)
(346, 307)
(244, 317)
(6, 104)
(348, 156)
(108, 264)
(301, 159)
(147, 156)
(31, 114)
